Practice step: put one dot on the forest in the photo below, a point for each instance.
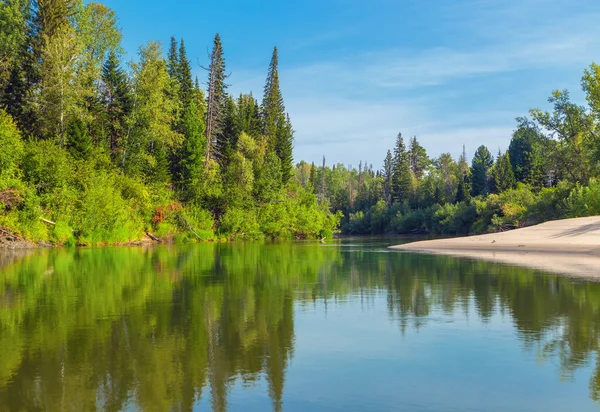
(550, 171)
(95, 151)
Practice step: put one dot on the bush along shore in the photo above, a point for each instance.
(96, 152)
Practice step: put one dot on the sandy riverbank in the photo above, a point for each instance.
(570, 247)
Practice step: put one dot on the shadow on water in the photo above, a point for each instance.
(162, 328)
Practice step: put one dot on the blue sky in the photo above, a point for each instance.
(355, 73)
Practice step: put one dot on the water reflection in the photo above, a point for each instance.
(166, 328)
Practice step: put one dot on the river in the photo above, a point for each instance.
(347, 326)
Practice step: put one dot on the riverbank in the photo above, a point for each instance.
(569, 247)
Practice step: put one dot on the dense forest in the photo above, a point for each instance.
(96, 151)
(550, 171)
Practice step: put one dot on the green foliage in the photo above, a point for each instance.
(502, 176)
(482, 163)
(79, 143)
(401, 174)
(584, 200)
(111, 154)
(11, 144)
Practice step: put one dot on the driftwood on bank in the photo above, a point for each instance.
(47, 221)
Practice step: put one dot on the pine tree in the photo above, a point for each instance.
(248, 115)
(463, 191)
(418, 158)
(401, 176)
(173, 59)
(502, 174)
(216, 98)
(226, 139)
(184, 75)
(481, 164)
(79, 143)
(189, 170)
(284, 147)
(272, 106)
(464, 174)
(388, 171)
(313, 177)
(116, 101)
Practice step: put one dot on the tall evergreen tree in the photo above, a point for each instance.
(481, 164)
(313, 177)
(401, 178)
(248, 115)
(173, 59)
(117, 103)
(418, 158)
(184, 76)
(79, 143)
(217, 92)
(226, 140)
(284, 147)
(191, 156)
(388, 172)
(272, 105)
(503, 177)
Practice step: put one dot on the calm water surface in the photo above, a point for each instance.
(346, 326)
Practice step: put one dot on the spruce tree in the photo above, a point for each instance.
(272, 105)
(184, 75)
(116, 101)
(79, 143)
(217, 92)
(388, 171)
(312, 179)
(481, 164)
(502, 174)
(189, 171)
(173, 59)
(248, 115)
(284, 147)
(418, 158)
(401, 178)
(226, 139)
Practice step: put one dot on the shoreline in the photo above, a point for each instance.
(568, 247)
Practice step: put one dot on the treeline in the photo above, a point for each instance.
(108, 153)
(549, 171)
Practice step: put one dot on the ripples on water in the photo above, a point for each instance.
(291, 326)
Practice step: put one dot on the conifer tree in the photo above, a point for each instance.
(401, 175)
(216, 98)
(226, 139)
(173, 59)
(117, 103)
(418, 158)
(272, 105)
(502, 174)
(284, 147)
(248, 115)
(464, 173)
(184, 75)
(189, 171)
(79, 143)
(482, 162)
(388, 172)
(312, 179)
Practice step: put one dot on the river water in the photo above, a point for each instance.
(304, 326)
